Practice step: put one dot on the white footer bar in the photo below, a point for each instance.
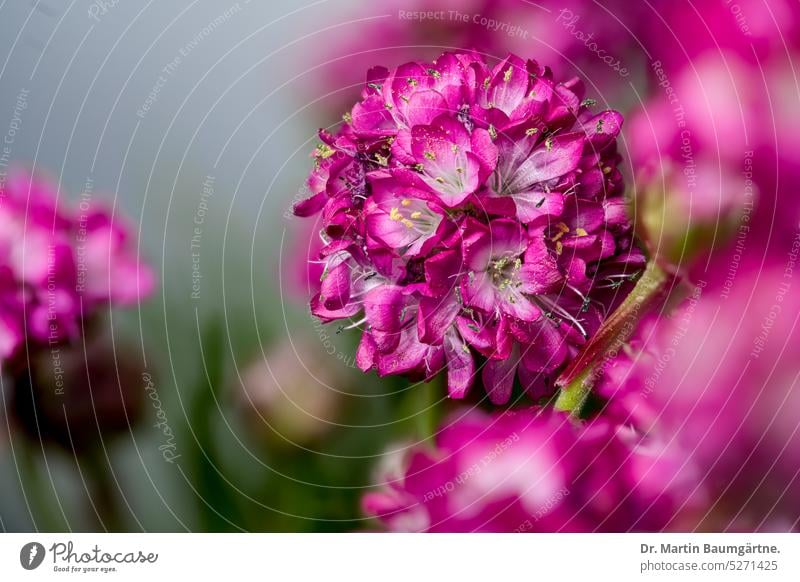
(401, 557)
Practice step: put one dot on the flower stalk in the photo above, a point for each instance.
(654, 288)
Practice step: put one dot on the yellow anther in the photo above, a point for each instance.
(581, 232)
(562, 230)
(405, 202)
(324, 151)
(559, 248)
(395, 215)
(417, 214)
(507, 75)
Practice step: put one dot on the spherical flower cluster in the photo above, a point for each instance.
(471, 215)
(535, 471)
(59, 266)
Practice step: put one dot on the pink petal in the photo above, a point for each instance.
(498, 378)
(460, 364)
(544, 164)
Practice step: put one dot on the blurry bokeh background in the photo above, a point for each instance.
(195, 119)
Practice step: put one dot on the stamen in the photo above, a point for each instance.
(561, 312)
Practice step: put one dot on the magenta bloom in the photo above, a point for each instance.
(535, 471)
(59, 265)
(471, 221)
(723, 384)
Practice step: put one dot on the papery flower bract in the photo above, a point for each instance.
(534, 471)
(471, 216)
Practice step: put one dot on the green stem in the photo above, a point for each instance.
(102, 489)
(426, 406)
(652, 290)
(572, 397)
(37, 490)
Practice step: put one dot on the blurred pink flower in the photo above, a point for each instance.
(747, 29)
(535, 471)
(59, 265)
(720, 376)
(294, 393)
(684, 212)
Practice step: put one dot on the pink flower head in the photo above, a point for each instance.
(534, 471)
(473, 219)
(58, 265)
